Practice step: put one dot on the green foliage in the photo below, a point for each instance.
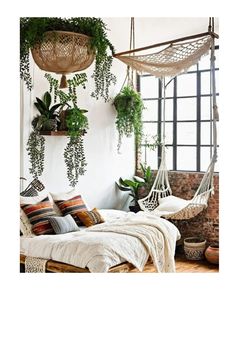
(129, 107)
(64, 98)
(76, 121)
(75, 159)
(131, 186)
(32, 31)
(36, 148)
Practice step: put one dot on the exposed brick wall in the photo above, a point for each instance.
(206, 224)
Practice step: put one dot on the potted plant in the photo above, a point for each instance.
(129, 107)
(135, 185)
(194, 248)
(49, 117)
(88, 34)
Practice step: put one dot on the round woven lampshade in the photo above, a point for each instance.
(63, 52)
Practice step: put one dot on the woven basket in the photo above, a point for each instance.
(63, 52)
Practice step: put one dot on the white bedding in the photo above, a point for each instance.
(100, 250)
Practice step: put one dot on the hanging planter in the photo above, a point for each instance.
(63, 53)
(67, 45)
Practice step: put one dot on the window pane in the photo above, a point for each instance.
(186, 158)
(168, 132)
(168, 109)
(150, 128)
(205, 83)
(205, 158)
(204, 63)
(149, 157)
(217, 80)
(150, 111)
(186, 109)
(170, 88)
(169, 158)
(186, 133)
(186, 85)
(205, 133)
(149, 87)
(205, 108)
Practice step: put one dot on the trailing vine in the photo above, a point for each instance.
(32, 31)
(129, 107)
(36, 149)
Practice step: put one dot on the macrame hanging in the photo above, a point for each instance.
(177, 57)
(63, 53)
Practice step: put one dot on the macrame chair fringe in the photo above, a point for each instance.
(169, 62)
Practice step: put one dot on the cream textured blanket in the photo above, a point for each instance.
(155, 234)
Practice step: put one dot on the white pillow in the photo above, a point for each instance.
(171, 204)
(112, 214)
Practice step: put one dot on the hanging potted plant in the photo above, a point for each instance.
(67, 45)
(129, 107)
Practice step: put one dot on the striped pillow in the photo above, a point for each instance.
(72, 206)
(63, 224)
(90, 218)
(38, 216)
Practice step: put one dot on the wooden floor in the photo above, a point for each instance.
(185, 266)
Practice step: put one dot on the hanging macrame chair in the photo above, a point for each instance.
(171, 61)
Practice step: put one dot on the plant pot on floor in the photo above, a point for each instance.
(212, 253)
(194, 248)
(134, 208)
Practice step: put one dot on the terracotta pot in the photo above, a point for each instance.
(194, 248)
(212, 254)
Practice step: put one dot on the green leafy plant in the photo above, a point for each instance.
(129, 107)
(49, 117)
(32, 30)
(131, 186)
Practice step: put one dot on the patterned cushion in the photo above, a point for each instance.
(63, 224)
(72, 206)
(38, 216)
(90, 218)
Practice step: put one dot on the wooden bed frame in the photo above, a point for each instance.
(58, 267)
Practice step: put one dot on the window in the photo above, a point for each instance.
(188, 132)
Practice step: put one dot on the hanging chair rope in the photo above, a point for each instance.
(161, 187)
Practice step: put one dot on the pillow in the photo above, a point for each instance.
(72, 206)
(90, 218)
(25, 225)
(63, 224)
(38, 216)
(68, 195)
(171, 204)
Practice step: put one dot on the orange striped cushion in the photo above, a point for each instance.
(72, 206)
(38, 216)
(90, 218)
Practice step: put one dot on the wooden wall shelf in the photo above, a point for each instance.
(55, 133)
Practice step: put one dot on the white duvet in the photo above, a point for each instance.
(123, 237)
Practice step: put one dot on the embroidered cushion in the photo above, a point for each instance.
(63, 224)
(72, 206)
(38, 216)
(90, 218)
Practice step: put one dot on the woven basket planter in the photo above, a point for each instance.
(63, 52)
(194, 248)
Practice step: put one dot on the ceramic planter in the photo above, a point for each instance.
(212, 254)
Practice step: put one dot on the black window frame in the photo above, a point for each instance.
(198, 72)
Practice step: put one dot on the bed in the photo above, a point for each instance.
(123, 243)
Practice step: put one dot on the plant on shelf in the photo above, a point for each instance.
(34, 32)
(49, 117)
(73, 120)
(129, 107)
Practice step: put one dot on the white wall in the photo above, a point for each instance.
(105, 165)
